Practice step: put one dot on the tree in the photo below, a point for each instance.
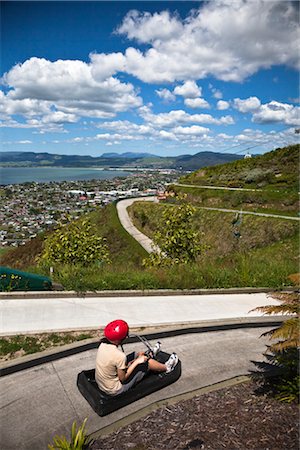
(75, 243)
(176, 240)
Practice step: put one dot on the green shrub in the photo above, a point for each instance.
(79, 439)
(77, 242)
(285, 352)
(177, 241)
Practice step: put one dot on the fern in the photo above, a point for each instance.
(285, 350)
(288, 332)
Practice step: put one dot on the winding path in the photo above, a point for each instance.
(147, 243)
(126, 222)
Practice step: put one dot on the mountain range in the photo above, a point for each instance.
(128, 159)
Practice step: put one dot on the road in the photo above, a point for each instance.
(40, 402)
(32, 315)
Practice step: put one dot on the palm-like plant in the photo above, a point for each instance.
(79, 439)
(288, 332)
(285, 351)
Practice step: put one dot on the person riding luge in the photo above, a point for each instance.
(117, 373)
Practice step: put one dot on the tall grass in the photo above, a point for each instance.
(264, 256)
(272, 202)
(264, 267)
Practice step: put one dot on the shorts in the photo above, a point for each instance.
(137, 375)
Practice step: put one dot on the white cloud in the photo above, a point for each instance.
(275, 112)
(165, 94)
(145, 27)
(63, 91)
(222, 105)
(248, 105)
(194, 130)
(216, 92)
(229, 40)
(189, 89)
(105, 65)
(59, 117)
(167, 135)
(224, 136)
(127, 127)
(178, 117)
(196, 103)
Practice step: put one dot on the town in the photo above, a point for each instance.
(31, 208)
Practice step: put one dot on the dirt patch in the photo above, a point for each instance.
(12, 347)
(234, 418)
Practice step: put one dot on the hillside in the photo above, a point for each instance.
(266, 254)
(129, 159)
(276, 169)
(122, 247)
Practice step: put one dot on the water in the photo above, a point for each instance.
(17, 175)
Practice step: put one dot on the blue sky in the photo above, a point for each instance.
(167, 78)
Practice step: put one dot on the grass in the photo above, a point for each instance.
(123, 248)
(272, 202)
(278, 169)
(264, 255)
(4, 250)
(267, 266)
(14, 346)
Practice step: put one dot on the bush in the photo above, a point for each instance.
(177, 241)
(79, 439)
(76, 243)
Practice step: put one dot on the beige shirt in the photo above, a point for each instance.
(109, 359)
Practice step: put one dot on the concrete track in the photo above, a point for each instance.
(43, 401)
(32, 315)
(125, 220)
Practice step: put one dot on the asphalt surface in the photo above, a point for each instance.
(43, 401)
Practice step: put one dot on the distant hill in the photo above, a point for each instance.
(203, 159)
(129, 159)
(127, 155)
(278, 168)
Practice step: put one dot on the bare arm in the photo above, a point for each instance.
(124, 374)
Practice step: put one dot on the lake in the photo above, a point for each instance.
(17, 175)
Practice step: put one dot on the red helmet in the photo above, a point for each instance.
(117, 330)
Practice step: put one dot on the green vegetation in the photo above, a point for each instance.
(75, 243)
(4, 250)
(25, 256)
(284, 353)
(142, 160)
(177, 242)
(238, 250)
(266, 201)
(278, 169)
(15, 346)
(79, 439)
(123, 249)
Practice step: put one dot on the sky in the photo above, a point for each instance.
(166, 78)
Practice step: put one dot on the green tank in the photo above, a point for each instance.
(16, 280)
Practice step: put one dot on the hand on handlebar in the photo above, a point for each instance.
(141, 359)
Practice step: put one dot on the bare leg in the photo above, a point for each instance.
(156, 366)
